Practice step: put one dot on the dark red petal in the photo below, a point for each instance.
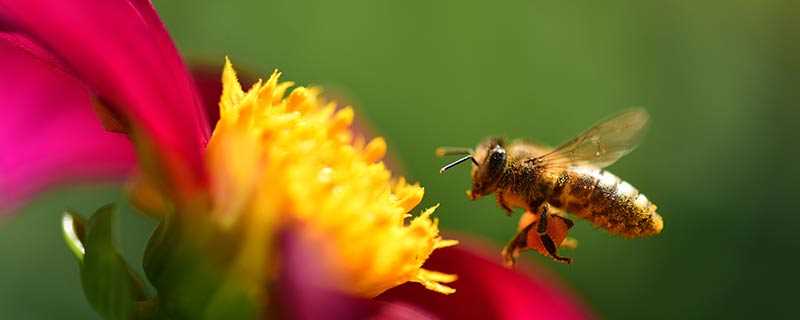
(487, 290)
(49, 133)
(122, 52)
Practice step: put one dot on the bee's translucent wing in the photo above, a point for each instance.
(601, 145)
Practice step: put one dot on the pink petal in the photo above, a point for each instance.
(487, 290)
(121, 50)
(48, 131)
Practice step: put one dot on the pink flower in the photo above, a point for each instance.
(60, 56)
(73, 70)
(484, 290)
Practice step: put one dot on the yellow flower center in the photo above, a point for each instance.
(280, 160)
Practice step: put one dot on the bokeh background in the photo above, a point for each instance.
(719, 78)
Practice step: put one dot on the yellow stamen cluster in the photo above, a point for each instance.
(293, 160)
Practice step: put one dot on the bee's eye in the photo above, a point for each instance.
(498, 154)
(497, 159)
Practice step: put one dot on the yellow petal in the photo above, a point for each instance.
(232, 92)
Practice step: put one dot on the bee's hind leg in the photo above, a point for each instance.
(549, 245)
(519, 242)
(551, 249)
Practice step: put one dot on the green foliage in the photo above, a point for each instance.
(188, 262)
(110, 286)
(191, 281)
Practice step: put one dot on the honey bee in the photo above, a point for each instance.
(545, 182)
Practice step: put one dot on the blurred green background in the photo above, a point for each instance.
(719, 78)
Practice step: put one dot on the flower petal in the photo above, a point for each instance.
(48, 131)
(121, 50)
(487, 290)
(306, 290)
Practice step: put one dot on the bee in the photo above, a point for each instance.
(547, 182)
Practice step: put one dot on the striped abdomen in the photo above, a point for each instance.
(606, 201)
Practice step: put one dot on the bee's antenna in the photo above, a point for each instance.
(449, 151)
(460, 160)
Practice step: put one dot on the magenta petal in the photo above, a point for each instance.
(48, 131)
(305, 290)
(487, 290)
(121, 50)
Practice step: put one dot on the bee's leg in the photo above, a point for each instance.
(551, 249)
(501, 201)
(548, 243)
(541, 228)
(520, 241)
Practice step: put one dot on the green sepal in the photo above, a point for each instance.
(160, 247)
(109, 284)
(189, 264)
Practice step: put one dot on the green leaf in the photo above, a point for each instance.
(111, 287)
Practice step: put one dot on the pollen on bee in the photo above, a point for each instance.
(658, 224)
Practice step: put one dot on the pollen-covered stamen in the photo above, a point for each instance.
(281, 160)
(433, 280)
(375, 150)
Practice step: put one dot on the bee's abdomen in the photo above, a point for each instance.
(606, 201)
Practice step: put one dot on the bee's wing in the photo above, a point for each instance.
(601, 145)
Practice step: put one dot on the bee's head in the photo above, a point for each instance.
(491, 156)
(489, 162)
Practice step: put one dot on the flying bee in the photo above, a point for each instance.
(545, 182)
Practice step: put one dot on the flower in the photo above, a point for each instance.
(484, 290)
(80, 49)
(107, 74)
(296, 163)
(42, 104)
(525, 294)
